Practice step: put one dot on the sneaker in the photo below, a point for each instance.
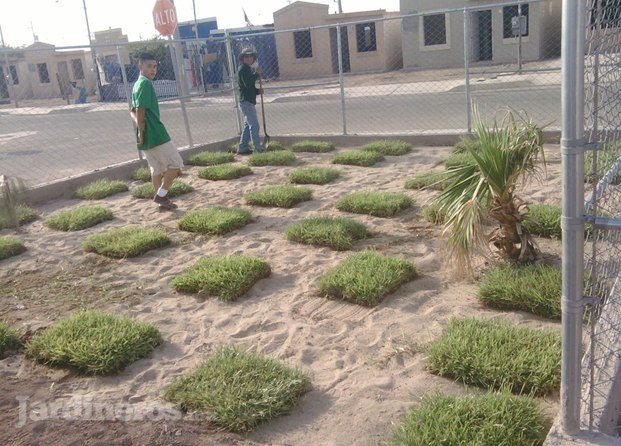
(164, 202)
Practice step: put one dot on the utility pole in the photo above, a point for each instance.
(90, 42)
(340, 6)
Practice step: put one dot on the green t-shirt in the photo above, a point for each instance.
(246, 78)
(143, 96)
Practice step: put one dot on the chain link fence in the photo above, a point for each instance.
(64, 111)
(602, 74)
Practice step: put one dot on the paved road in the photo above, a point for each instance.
(65, 142)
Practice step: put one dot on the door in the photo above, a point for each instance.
(344, 50)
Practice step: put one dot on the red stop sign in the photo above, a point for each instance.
(165, 17)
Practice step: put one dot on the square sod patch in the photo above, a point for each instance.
(490, 419)
(336, 233)
(9, 340)
(10, 246)
(428, 180)
(78, 218)
(210, 158)
(282, 196)
(100, 189)
(94, 343)
(544, 220)
(494, 354)
(239, 389)
(216, 221)
(532, 288)
(226, 172)
(276, 158)
(365, 278)
(141, 174)
(148, 191)
(227, 277)
(378, 204)
(23, 213)
(312, 146)
(313, 175)
(358, 158)
(388, 147)
(130, 241)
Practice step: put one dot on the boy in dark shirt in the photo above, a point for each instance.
(246, 78)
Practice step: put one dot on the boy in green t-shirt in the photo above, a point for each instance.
(152, 138)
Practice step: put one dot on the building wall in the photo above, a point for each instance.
(504, 50)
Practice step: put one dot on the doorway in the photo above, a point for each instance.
(482, 35)
(344, 50)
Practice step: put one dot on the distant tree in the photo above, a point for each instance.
(160, 49)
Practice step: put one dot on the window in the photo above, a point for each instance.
(610, 16)
(78, 70)
(44, 76)
(303, 45)
(365, 37)
(434, 29)
(13, 72)
(508, 12)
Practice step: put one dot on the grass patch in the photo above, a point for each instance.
(276, 158)
(10, 246)
(227, 277)
(532, 288)
(25, 214)
(239, 389)
(147, 190)
(313, 175)
(494, 354)
(544, 220)
(9, 340)
(141, 174)
(226, 172)
(275, 146)
(79, 218)
(427, 180)
(433, 213)
(606, 158)
(312, 146)
(388, 147)
(465, 144)
(378, 204)
(94, 343)
(210, 158)
(282, 196)
(100, 189)
(365, 278)
(124, 242)
(458, 160)
(493, 419)
(216, 221)
(335, 233)
(357, 158)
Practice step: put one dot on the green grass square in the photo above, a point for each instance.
(94, 343)
(544, 220)
(357, 158)
(282, 196)
(335, 233)
(272, 158)
(227, 277)
(365, 278)
(427, 180)
(78, 218)
(216, 221)
(24, 213)
(141, 174)
(225, 172)
(208, 158)
(239, 389)
(100, 189)
(312, 146)
(10, 246)
(9, 340)
(494, 354)
(130, 241)
(313, 175)
(388, 147)
(147, 191)
(378, 204)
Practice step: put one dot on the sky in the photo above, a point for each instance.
(63, 22)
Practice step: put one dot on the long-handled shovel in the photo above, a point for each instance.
(266, 139)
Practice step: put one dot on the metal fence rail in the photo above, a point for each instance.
(366, 73)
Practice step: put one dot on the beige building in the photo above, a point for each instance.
(367, 45)
(39, 71)
(436, 40)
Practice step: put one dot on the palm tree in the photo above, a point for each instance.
(504, 158)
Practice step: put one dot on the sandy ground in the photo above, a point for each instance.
(366, 364)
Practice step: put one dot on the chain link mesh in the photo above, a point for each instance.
(603, 209)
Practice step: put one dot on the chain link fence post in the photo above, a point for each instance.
(341, 78)
(181, 90)
(233, 77)
(467, 70)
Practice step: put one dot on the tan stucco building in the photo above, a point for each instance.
(368, 45)
(436, 40)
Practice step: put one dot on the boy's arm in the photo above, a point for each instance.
(138, 115)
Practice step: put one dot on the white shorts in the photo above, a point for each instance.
(163, 158)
